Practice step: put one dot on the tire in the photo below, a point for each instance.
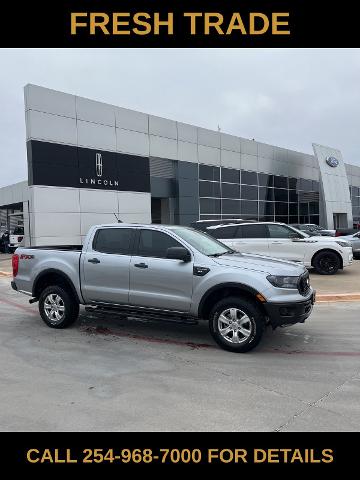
(65, 310)
(326, 263)
(252, 327)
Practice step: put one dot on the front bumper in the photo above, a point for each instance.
(289, 313)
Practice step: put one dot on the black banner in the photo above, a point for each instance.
(59, 165)
(189, 23)
(240, 453)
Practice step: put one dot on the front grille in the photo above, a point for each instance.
(304, 284)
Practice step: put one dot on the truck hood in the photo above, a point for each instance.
(260, 263)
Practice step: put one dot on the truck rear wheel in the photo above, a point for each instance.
(236, 324)
(57, 307)
(327, 263)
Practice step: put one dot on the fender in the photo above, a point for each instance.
(220, 286)
(57, 272)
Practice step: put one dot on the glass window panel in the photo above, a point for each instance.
(281, 218)
(209, 189)
(266, 194)
(266, 218)
(279, 231)
(252, 231)
(293, 209)
(303, 209)
(230, 175)
(293, 183)
(207, 172)
(293, 196)
(280, 182)
(249, 192)
(113, 240)
(209, 205)
(266, 180)
(230, 207)
(249, 178)
(314, 208)
(223, 232)
(249, 208)
(281, 208)
(155, 244)
(280, 195)
(229, 190)
(266, 208)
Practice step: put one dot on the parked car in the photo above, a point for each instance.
(313, 230)
(354, 239)
(174, 273)
(325, 254)
(16, 238)
(343, 232)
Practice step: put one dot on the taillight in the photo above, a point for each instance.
(15, 264)
(20, 239)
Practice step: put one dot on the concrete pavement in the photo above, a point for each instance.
(105, 373)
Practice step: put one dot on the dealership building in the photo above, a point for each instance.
(91, 163)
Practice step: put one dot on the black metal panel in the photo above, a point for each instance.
(69, 166)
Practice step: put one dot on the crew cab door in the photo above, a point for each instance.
(283, 245)
(105, 266)
(156, 281)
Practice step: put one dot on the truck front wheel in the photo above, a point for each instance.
(57, 307)
(236, 324)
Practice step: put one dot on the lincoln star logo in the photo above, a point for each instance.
(332, 161)
(99, 165)
(99, 180)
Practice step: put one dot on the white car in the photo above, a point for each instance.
(354, 239)
(326, 254)
(16, 238)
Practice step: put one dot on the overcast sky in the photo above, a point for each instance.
(289, 98)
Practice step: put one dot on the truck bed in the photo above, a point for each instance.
(76, 248)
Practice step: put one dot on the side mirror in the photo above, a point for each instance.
(295, 236)
(178, 253)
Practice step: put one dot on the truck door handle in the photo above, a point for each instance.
(93, 260)
(141, 265)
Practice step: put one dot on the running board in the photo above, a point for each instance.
(146, 314)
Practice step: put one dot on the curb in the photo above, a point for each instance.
(338, 297)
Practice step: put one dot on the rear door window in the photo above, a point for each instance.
(223, 232)
(252, 231)
(114, 240)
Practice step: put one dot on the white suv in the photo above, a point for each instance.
(326, 254)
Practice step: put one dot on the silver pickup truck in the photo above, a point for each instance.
(165, 272)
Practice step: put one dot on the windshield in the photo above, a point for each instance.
(202, 242)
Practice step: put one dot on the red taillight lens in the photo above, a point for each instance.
(20, 239)
(15, 264)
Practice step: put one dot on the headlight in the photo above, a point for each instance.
(342, 243)
(283, 282)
